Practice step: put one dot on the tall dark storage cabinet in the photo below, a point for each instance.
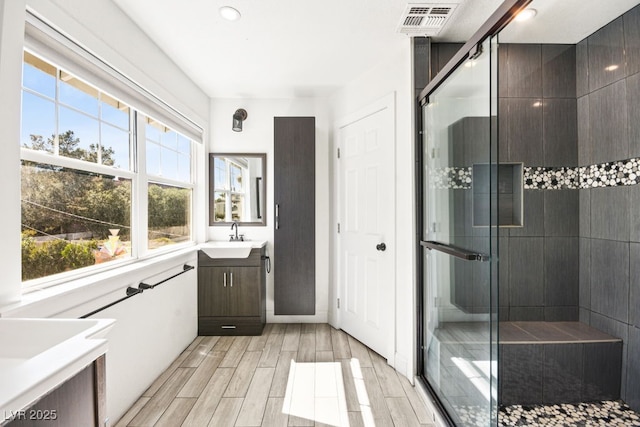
(294, 196)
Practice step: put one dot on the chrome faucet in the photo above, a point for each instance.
(235, 238)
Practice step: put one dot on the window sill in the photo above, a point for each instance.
(56, 299)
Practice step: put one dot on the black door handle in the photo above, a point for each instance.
(381, 246)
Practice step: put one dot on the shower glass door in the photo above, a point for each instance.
(459, 313)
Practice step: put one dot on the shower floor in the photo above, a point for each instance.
(605, 413)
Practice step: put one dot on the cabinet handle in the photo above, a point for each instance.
(231, 274)
(277, 216)
(227, 327)
(224, 279)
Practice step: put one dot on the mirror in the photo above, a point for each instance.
(237, 188)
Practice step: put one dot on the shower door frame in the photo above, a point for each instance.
(505, 13)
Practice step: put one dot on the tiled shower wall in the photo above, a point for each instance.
(608, 106)
(539, 262)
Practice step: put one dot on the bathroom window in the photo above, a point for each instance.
(83, 190)
(170, 186)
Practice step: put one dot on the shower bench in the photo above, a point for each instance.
(557, 362)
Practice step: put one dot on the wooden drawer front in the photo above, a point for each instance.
(230, 326)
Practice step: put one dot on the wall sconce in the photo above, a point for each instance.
(238, 117)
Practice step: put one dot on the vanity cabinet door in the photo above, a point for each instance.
(212, 291)
(244, 291)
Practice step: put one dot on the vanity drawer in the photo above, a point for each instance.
(230, 326)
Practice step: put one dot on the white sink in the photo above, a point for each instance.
(219, 249)
(38, 355)
(30, 337)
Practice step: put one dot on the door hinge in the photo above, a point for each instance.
(338, 302)
(338, 153)
(338, 228)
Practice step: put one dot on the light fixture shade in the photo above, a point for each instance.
(526, 14)
(238, 117)
(229, 13)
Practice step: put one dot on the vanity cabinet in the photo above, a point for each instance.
(231, 294)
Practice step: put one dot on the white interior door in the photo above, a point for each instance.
(367, 223)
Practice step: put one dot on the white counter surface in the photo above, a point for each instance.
(37, 355)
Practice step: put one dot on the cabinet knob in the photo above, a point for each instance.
(381, 247)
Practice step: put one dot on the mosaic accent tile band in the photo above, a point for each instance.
(605, 413)
(452, 178)
(610, 174)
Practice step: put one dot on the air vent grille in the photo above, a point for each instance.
(425, 19)
(419, 11)
(413, 21)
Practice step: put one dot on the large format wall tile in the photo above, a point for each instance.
(585, 148)
(525, 314)
(610, 278)
(582, 68)
(618, 330)
(602, 371)
(559, 132)
(521, 374)
(608, 120)
(631, 21)
(562, 372)
(524, 130)
(584, 206)
(632, 395)
(585, 273)
(606, 55)
(561, 314)
(559, 71)
(526, 266)
(561, 271)
(633, 106)
(610, 213)
(533, 216)
(634, 213)
(561, 208)
(634, 284)
(524, 71)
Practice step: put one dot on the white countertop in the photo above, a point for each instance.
(37, 355)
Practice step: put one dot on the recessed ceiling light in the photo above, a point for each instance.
(526, 14)
(229, 13)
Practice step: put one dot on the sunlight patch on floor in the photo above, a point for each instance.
(316, 392)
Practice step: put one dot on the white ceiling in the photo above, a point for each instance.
(305, 48)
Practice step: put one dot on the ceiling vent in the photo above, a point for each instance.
(425, 19)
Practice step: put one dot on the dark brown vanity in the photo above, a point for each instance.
(232, 294)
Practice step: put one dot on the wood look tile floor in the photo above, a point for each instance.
(291, 375)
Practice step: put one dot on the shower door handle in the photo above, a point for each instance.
(454, 251)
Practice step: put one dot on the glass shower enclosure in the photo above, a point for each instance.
(460, 190)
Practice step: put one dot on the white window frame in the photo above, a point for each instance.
(144, 105)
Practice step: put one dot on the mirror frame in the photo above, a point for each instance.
(262, 193)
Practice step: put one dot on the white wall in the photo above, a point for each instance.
(257, 137)
(393, 75)
(152, 328)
